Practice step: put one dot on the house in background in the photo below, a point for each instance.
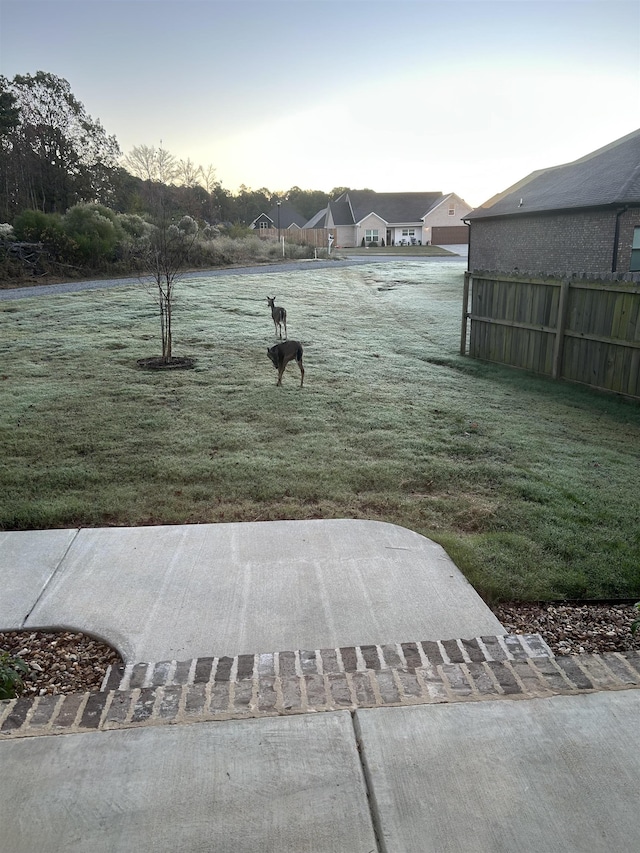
(365, 217)
(580, 217)
(283, 217)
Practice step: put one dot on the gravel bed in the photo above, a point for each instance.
(65, 662)
(574, 629)
(61, 661)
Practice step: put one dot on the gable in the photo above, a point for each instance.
(262, 218)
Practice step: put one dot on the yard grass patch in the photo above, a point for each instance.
(533, 487)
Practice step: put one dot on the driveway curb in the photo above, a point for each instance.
(301, 682)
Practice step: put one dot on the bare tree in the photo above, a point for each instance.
(208, 178)
(187, 173)
(152, 164)
(166, 166)
(166, 259)
(141, 162)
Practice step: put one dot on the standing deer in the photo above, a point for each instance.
(282, 354)
(279, 316)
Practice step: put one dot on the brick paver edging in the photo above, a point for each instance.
(212, 688)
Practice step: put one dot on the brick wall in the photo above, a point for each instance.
(628, 221)
(553, 243)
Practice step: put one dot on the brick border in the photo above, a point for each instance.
(298, 682)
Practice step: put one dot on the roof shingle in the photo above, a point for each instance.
(608, 176)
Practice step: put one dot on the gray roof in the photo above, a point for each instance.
(319, 220)
(288, 216)
(354, 205)
(609, 176)
(341, 212)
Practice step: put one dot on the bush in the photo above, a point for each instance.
(210, 232)
(96, 231)
(11, 671)
(29, 225)
(60, 247)
(238, 231)
(188, 226)
(134, 227)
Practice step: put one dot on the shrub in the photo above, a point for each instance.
(29, 225)
(12, 669)
(188, 226)
(134, 226)
(237, 231)
(210, 232)
(96, 231)
(60, 247)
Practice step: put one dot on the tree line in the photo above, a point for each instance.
(54, 155)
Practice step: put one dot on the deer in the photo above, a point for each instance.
(279, 316)
(282, 354)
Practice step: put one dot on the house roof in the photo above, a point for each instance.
(319, 220)
(288, 216)
(394, 208)
(609, 176)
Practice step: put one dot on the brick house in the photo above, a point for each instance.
(365, 217)
(580, 217)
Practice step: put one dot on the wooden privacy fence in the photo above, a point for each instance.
(580, 329)
(318, 237)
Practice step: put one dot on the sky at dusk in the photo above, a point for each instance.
(461, 96)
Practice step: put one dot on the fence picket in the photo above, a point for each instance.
(585, 331)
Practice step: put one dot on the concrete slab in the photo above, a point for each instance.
(173, 593)
(559, 774)
(28, 560)
(285, 784)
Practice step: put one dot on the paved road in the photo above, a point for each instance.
(101, 284)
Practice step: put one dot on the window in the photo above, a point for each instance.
(452, 210)
(635, 251)
(263, 224)
(408, 232)
(371, 235)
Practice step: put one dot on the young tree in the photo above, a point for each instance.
(166, 259)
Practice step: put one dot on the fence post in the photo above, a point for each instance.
(558, 346)
(465, 313)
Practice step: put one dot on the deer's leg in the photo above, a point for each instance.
(301, 372)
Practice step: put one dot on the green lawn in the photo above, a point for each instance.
(532, 487)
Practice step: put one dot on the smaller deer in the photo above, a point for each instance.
(279, 316)
(282, 354)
